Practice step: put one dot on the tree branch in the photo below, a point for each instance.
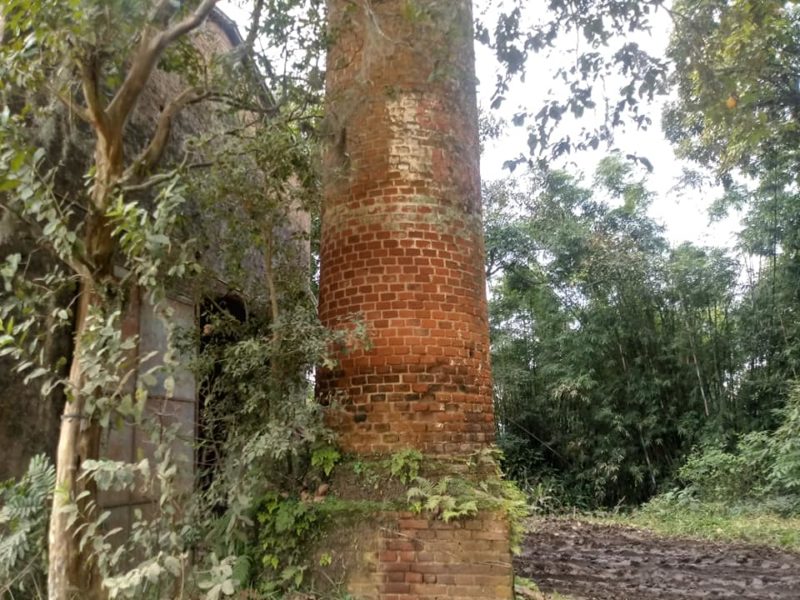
(74, 108)
(232, 101)
(268, 233)
(154, 150)
(95, 109)
(156, 179)
(78, 264)
(252, 33)
(189, 23)
(151, 46)
(162, 13)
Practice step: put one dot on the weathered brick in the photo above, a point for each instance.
(401, 223)
(402, 246)
(396, 588)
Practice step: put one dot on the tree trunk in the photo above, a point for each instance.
(72, 571)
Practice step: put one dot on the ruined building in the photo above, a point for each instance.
(29, 424)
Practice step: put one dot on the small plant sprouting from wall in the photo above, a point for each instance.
(405, 464)
(286, 529)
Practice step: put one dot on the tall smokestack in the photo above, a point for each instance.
(402, 241)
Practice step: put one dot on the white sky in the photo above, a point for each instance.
(684, 217)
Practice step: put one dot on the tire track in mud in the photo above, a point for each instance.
(589, 561)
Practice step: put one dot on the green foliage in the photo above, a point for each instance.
(441, 500)
(404, 465)
(615, 355)
(762, 467)
(736, 78)
(23, 529)
(151, 560)
(714, 473)
(105, 358)
(286, 528)
(145, 236)
(784, 475)
(526, 589)
(521, 460)
(262, 419)
(735, 115)
(265, 439)
(449, 498)
(240, 177)
(603, 30)
(680, 515)
(291, 531)
(325, 459)
(220, 579)
(596, 330)
(506, 497)
(674, 330)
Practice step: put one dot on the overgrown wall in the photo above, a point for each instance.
(29, 424)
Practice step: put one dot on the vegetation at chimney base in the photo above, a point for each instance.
(294, 543)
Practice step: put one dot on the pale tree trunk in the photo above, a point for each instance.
(78, 440)
(72, 571)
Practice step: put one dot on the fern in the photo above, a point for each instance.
(23, 528)
(443, 499)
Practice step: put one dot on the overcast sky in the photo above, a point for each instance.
(684, 217)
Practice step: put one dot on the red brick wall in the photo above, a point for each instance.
(419, 558)
(402, 242)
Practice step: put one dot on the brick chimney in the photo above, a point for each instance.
(402, 246)
(402, 242)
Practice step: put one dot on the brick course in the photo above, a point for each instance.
(418, 558)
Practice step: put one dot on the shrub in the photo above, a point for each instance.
(23, 529)
(715, 473)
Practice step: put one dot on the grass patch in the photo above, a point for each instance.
(526, 589)
(712, 521)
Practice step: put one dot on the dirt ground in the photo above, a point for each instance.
(600, 562)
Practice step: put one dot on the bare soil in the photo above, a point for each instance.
(589, 561)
